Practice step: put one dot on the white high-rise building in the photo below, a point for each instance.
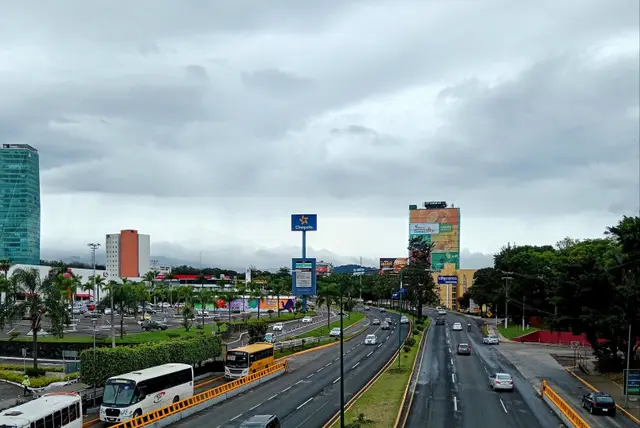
(128, 254)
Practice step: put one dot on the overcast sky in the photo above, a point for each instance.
(206, 124)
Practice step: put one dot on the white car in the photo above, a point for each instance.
(457, 326)
(270, 338)
(200, 313)
(491, 340)
(442, 312)
(278, 326)
(307, 320)
(370, 339)
(404, 320)
(501, 381)
(375, 321)
(335, 332)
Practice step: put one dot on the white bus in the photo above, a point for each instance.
(132, 394)
(52, 410)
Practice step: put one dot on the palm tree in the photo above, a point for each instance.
(124, 298)
(327, 296)
(99, 281)
(228, 297)
(256, 293)
(278, 288)
(204, 297)
(37, 296)
(141, 291)
(150, 279)
(168, 278)
(5, 265)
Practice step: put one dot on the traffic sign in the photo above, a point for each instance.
(633, 381)
(575, 344)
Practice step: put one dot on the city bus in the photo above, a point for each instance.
(130, 395)
(54, 409)
(249, 359)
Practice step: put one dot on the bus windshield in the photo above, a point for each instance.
(238, 360)
(118, 392)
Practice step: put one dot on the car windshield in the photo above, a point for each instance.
(493, 337)
(604, 399)
(237, 359)
(503, 377)
(118, 392)
(371, 336)
(463, 345)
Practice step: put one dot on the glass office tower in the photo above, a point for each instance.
(19, 204)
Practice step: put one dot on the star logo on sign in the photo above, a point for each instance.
(304, 220)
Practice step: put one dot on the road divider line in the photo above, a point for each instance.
(369, 354)
(298, 382)
(255, 407)
(311, 375)
(355, 365)
(235, 417)
(303, 404)
(336, 380)
(453, 377)
(503, 406)
(455, 404)
(285, 390)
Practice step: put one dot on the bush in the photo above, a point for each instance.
(36, 382)
(410, 341)
(416, 332)
(420, 327)
(123, 359)
(20, 368)
(406, 348)
(31, 372)
(257, 329)
(14, 334)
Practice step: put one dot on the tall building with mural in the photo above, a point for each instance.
(439, 224)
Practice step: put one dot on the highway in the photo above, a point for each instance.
(309, 394)
(453, 390)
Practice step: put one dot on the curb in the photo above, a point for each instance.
(413, 369)
(594, 389)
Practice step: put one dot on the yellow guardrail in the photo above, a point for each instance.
(182, 405)
(565, 408)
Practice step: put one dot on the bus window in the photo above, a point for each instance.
(57, 419)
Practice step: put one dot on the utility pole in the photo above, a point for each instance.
(626, 378)
(341, 362)
(506, 300)
(361, 279)
(523, 302)
(94, 246)
(113, 329)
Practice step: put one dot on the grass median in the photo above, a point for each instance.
(378, 407)
(515, 331)
(324, 331)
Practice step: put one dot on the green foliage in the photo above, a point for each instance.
(187, 316)
(110, 362)
(410, 341)
(20, 368)
(36, 382)
(14, 334)
(257, 329)
(31, 372)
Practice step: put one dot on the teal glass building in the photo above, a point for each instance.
(19, 204)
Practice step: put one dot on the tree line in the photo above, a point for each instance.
(589, 286)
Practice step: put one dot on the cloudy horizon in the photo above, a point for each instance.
(205, 125)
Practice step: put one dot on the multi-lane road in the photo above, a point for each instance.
(309, 394)
(453, 390)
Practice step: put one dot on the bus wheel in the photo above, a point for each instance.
(176, 399)
(137, 413)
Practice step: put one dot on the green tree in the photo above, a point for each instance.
(187, 316)
(416, 277)
(278, 288)
(327, 293)
(205, 296)
(255, 292)
(5, 266)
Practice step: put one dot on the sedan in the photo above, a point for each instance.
(464, 349)
(278, 326)
(439, 321)
(442, 312)
(307, 320)
(335, 332)
(375, 321)
(599, 402)
(404, 320)
(385, 326)
(270, 338)
(501, 381)
(370, 339)
(491, 340)
(457, 326)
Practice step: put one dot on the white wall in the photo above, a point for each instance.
(144, 254)
(112, 248)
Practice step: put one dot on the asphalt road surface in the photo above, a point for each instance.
(453, 390)
(309, 394)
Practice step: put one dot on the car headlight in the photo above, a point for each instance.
(102, 410)
(127, 412)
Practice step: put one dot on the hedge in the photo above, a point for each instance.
(36, 382)
(108, 362)
(21, 367)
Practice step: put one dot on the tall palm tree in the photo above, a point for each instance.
(204, 297)
(37, 295)
(278, 288)
(150, 279)
(99, 281)
(228, 297)
(256, 293)
(5, 266)
(124, 298)
(168, 280)
(142, 292)
(327, 296)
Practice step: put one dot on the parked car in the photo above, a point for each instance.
(92, 314)
(501, 381)
(464, 349)
(200, 313)
(371, 339)
(261, 421)
(404, 320)
(154, 325)
(307, 320)
(491, 340)
(278, 326)
(335, 332)
(383, 310)
(375, 321)
(599, 402)
(385, 326)
(366, 308)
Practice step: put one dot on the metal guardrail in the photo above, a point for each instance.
(294, 343)
(182, 405)
(562, 405)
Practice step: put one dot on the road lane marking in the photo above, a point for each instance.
(311, 375)
(302, 405)
(503, 406)
(320, 369)
(355, 365)
(369, 354)
(455, 404)
(337, 359)
(379, 345)
(235, 417)
(272, 397)
(453, 377)
(336, 380)
(285, 390)
(298, 382)
(327, 365)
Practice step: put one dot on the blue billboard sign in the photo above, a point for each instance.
(304, 222)
(396, 294)
(633, 382)
(303, 276)
(447, 279)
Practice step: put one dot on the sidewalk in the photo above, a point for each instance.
(599, 382)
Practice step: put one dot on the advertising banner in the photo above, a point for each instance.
(447, 279)
(446, 242)
(397, 263)
(303, 276)
(424, 228)
(441, 227)
(304, 222)
(438, 260)
(322, 270)
(287, 303)
(441, 216)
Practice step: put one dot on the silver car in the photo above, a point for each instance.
(491, 340)
(501, 381)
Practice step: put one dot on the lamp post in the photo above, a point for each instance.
(94, 246)
(94, 323)
(113, 329)
(506, 300)
(341, 365)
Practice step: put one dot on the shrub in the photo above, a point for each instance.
(31, 372)
(14, 334)
(416, 332)
(20, 368)
(123, 359)
(256, 329)
(36, 382)
(406, 348)
(410, 341)
(420, 327)
(173, 335)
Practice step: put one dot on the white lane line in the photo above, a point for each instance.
(311, 375)
(337, 359)
(450, 350)
(10, 331)
(452, 361)
(503, 406)
(235, 417)
(272, 397)
(453, 377)
(387, 338)
(302, 405)
(455, 404)
(379, 345)
(285, 390)
(255, 407)
(298, 382)
(328, 364)
(336, 380)
(355, 365)
(320, 369)
(369, 354)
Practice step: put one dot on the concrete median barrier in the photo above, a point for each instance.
(561, 408)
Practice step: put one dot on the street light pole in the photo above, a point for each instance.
(94, 322)
(506, 300)
(113, 330)
(400, 327)
(341, 366)
(626, 378)
(94, 246)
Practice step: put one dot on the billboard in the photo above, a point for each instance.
(440, 227)
(322, 270)
(395, 263)
(303, 276)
